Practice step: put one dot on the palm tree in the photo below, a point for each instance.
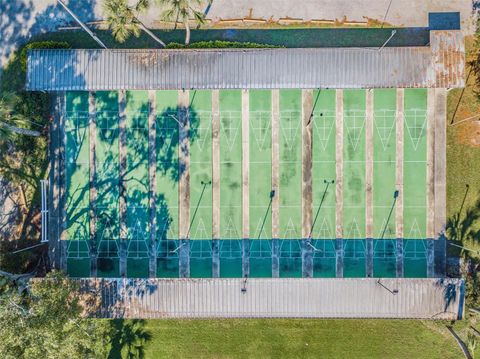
(182, 11)
(10, 119)
(123, 20)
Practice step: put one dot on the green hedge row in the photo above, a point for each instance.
(217, 44)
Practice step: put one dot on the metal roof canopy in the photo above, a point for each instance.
(428, 298)
(439, 65)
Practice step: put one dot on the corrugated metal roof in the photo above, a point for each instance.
(279, 297)
(439, 65)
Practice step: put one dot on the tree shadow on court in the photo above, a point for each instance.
(129, 339)
(169, 169)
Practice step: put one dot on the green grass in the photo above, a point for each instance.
(463, 156)
(295, 338)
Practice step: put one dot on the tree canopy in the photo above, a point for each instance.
(47, 320)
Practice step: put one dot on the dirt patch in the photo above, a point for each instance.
(468, 133)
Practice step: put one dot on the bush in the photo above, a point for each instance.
(472, 290)
(40, 45)
(216, 44)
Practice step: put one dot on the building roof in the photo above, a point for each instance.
(278, 297)
(439, 65)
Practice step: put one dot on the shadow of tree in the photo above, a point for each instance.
(464, 228)
(167, 146)
(129, 339)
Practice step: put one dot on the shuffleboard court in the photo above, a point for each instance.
(323, 164)
(167, 171)
(384, 258)
(200, 116)
(107, 183)
(354, 118)
(230, 258)
(77, 170)
(166, 176)
(415, 258)
(384, 163)
(384, 181)
(415, 164)
(290, 166)
(107, 149)
(167, 259)
(260, 180)
(137, 184)
(200, 259)
(261, 259)
(324, 258)
(230, 164)
(290, 258)
(354, 258)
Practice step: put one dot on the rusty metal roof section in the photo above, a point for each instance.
(439, 65)
(277, 297)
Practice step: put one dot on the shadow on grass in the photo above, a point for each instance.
(129, 339)
(462, 228)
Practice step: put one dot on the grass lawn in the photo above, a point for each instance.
(463, 149)
(295, 338)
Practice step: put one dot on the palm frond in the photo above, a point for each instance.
(141, 5)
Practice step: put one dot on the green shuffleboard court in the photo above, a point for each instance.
(415, 164)
(384, 163)
(354, 118)
(290, 166)
(231, 164)
(324, 259)
(324, 164)
(204, 258)
(200, 116)
(260, 180)
(108, 191)
(137, 184)
(77, 171)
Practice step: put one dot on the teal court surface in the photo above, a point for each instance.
(249, 183)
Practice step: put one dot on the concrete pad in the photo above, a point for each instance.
(122, 204)
(184, 258)
(215, 164)
(339, 166)
(245, 165)
(55, 179)
(440, 175)
(93, 182)
(400, 12)
(399, 164)
(307, 107)
(245, 258)
(369, 257)
(215, 258)
(339, 254)
(275, 163)
(369, 168)
(431, 163)
(275, 258)
(399, 258)
(431, 258)
(307, 258)
(184, 161)
(152, 171)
